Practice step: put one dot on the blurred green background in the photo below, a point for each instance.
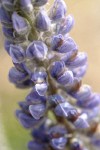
(87, 35)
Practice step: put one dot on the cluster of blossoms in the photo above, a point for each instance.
(61, 113)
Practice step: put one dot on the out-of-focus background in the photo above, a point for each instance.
(86, 33)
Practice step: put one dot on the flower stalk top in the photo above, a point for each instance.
(47, 61)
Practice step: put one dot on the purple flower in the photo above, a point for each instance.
(20, 24)
(59, 109)
(37, 110)
(16, 76)
(26, 5)
(58, 143)
(42, 21)
(79, 61)
(62, 45)
(41, 133)
(93, 101)
(66, 78)
(83, 93)
(57, 131)
(35, 98)
(38, 3)
(80, 71)
(41, 88)
(8, 4)
(57, 41)
(5, 17)
(7, 46)
(57, 139)
(8, 32)
(37, 49)
(63, 109)
(24, 84)
(39, 76)
(58, 10)
(66, 25)
(17, 53)
(24, 106)
(59, 72)
(75, 145)
(35, 145)
(86, 98)
(57, 68)
(81, 122)
(26, 120)
(95, 140)
(68, 46)
(56, 99)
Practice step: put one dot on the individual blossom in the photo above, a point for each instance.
(5, 17)
(57, 139)
(20, 24)
(65, 25)
(63, 45)
(7, 46)
(60, 73)
(58, 10)
(26, 5)
(36, 49)
(38, 3)
(8, 4)
(42, 21)
(16, 76)
(17, 53)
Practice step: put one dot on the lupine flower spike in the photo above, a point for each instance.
(46, 60)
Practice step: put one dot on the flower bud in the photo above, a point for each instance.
(24, 106)
(56, 42)
(79, 61)
(8, 32)
(66, 25)
(83, 93)
(20, 24)
(81, 122)
(75, 145)
(38, 3)
(66, 78)
(95, 140)
(24, 84)
(58, 10)
(37, 111)
(93, 101)
(56, 99)
(8, 4)
(35, 145)
(63, 109)
(5, 17)
(26, 5)
(16, 76)
(26, 120)
(7, 44)
(58, 143)
(41, 88)
(17, 53)
(62, 45)
(57, 68)
(42, 21)
(35, 98)
(80, 72)
(39, 77)
(37, 49)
